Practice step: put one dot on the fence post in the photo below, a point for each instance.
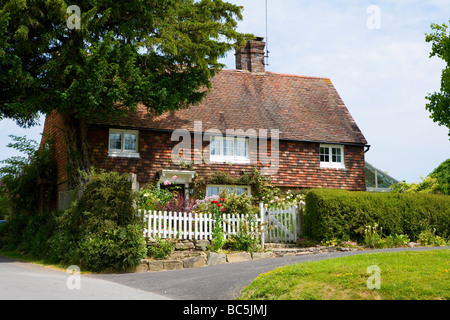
(300, 220)
(263, 218)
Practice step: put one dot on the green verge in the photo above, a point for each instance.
(409, 275)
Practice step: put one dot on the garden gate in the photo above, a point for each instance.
(281, 225)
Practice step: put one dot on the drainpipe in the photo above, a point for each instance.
(368, 148)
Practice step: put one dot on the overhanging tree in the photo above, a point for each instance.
(161, 53)
(439, 102)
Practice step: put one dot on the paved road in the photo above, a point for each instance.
(223, 282)
(28, 281)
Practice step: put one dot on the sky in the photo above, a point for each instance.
(376, 56)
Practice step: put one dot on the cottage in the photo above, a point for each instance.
(294, 129)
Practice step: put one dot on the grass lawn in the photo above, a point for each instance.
(419, 275)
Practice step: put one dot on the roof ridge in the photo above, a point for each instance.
(278, 73)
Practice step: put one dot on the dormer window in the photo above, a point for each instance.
(332, 156)
(123, 143)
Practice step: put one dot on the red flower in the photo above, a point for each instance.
(222, 199)
(214, 201)
(223, 210)
(219, 205)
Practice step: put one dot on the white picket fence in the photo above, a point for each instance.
(280, 225)
(191, 226)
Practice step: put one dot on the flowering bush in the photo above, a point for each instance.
(217, 209)
(153, 197)
(348, 244)
(278, 200)
(203, 206)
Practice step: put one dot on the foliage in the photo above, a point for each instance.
(438, 182)
(116, 249)
(24, 176)
(345, 215)
(397, 240)
(217, 233)
(248, 236)
(203, 205)
(275, 200)
(238, 204)
(373, 236)
(158, 53)
(439, 101)
(4, 207)
(153, 197)
(442, 176)
(429, 238)
(30, 234)
(162, 250)
(260, 184)
(104, 226)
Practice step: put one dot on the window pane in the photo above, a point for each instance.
(115, 141)
(337, 155)
(324, 154)
(241, 148)
(229, 189)
(130, 142)
(212, 191)
(240, 191)
(215, 146)
(228, 147)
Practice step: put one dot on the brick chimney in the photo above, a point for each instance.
(251, 57)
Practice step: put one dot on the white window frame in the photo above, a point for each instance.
(222, 187)
(122, 152)
(332, 164)
(234, 159)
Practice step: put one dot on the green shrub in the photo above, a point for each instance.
(24, 177)
(29, 234)
(162, 250)
(396, 240)
(119, 250)
(248, 236)
(373, 236)
(11, 233)
(344, 214)
(103, 228)
(429, 238)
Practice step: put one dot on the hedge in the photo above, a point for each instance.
(341, 214)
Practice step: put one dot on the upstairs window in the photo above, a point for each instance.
(123, 143)
(229, 149)
(332, 156)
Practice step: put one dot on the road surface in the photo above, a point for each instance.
(26, 281)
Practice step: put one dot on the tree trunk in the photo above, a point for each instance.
(75, 131)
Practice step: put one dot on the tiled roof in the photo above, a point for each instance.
(302, 108)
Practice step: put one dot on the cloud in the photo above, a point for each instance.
(383, 75)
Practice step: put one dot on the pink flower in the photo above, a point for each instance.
(167, 183)
(174, 177)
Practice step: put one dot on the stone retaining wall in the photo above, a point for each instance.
(194, 254)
